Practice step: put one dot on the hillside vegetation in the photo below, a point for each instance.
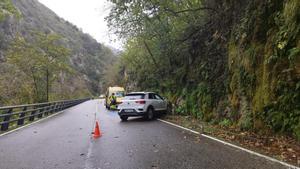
(43, 57)
(233, 63)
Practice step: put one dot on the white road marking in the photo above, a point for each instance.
(232, 145)
(195, 132)
(19, 128)
(88, 164)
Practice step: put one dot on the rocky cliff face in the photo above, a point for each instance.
(234, 64)
(88, 56)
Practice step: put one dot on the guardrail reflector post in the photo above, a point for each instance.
(21, 117)
(31, 118)
(5, 126)
(41, 112)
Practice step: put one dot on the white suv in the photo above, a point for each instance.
(144, 104)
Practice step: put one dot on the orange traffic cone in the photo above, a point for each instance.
(97, 132)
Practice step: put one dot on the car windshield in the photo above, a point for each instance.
(120, 94)
(134, 96)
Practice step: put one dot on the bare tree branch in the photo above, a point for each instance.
(189, 10)
(150, 53)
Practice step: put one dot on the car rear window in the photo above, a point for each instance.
(134, 96)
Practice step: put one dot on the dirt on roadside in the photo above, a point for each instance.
(280, 147)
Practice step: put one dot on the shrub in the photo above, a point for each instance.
(225, 123)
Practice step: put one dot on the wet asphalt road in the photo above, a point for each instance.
(64, 142)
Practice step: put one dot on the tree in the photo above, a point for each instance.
(42, 60)
(238, 57)
(54, 57)
(162, 31)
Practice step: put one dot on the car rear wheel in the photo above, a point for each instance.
(150, 114)
(124, 118)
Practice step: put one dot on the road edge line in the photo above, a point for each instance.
(27, 125)
(176, 125)
(232, 145)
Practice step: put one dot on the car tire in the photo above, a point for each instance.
(124, 118)
(150, 114)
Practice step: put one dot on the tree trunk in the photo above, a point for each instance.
(47, 79)
(36, 99)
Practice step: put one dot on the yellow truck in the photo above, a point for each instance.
(112, 93)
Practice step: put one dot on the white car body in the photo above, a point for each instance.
(139, 103)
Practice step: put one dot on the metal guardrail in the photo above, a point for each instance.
(16, 116)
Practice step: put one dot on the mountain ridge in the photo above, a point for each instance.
(87, 55)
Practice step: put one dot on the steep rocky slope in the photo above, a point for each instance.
(88, 56)
(233, 63)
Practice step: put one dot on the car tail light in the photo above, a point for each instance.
(141, 102)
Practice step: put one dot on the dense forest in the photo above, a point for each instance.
(45, 58)
(234, 63)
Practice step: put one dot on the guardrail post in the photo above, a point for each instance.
(55, 107)
(41, 112)
(65, 105)
(31, 118)
(62, 106)
(47, 109)
(5, 126)
(21, 117)
(52, 108)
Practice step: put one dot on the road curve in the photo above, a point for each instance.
(64, 142)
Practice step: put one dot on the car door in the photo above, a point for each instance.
(162, 105)
(153, 101)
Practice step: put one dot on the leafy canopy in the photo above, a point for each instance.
(41, 60)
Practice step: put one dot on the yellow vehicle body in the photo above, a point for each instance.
(119, 93)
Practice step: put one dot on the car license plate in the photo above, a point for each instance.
(128, 111)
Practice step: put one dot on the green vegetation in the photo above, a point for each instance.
(6, 9)
(41, 62)
(35, 71)
(43, 57)
(235, 63)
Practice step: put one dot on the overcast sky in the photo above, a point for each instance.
(88, 15)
